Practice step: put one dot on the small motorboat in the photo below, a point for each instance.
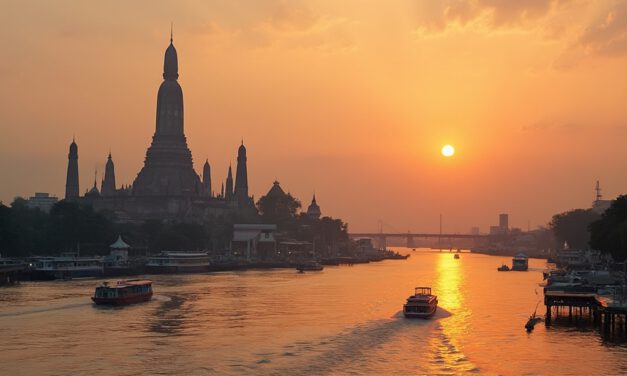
(533, 320)
(422, 304)
(309, 266)
(456, 256)
(503, 268)
(123, 292)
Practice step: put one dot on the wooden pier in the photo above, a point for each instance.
(608, 314)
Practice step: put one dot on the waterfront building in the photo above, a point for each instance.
(42, 201)
(254, 241)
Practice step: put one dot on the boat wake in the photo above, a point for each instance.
(44, 309)
(367, 348)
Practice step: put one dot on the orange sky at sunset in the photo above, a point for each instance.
(351, 99)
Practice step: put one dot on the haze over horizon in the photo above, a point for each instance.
(351, 100)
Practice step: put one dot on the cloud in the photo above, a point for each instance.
(608, 35)
(488, 14)
(287, 25)
(605, 35)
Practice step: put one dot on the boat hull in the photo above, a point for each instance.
(419, 315)
(125, 300)
(173, 269)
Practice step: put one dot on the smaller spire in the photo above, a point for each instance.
(171, 32)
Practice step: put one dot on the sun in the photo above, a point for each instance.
(448, 150)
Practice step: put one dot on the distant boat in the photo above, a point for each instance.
(520, 262)
(503, 268)
(422, 304)
(456, 256)
(123, 292)
(309, 266)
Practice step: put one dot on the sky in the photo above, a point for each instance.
(349, 99)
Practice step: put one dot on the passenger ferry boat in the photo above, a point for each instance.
(309, 266)
(123, 292)
(520, 262)
(178, 262)
(66, 267)
(422, 304)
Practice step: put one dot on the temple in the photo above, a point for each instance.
(167, 186)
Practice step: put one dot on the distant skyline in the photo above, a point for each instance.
(349, 99)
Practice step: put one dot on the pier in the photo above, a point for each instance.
(11, 273)
(606, 312)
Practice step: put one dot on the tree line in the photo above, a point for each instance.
(586, 229)
(72, 227)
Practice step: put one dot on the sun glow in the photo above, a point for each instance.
(448, 150)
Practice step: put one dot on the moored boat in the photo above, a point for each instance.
(456, 256)
(178, 262)
(503, 268)
(309, 266)
(66, 267)
(123, 292)
(422, 304)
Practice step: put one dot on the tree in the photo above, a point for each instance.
(572, 227)
(609, 234)
(279, 209)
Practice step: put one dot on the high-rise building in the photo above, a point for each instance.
(504, 222)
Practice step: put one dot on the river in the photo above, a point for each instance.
(344, 320)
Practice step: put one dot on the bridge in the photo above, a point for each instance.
(383, 236)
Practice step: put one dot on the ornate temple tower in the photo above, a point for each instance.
(313, 211)
(108, 183)
(71, 181)
(228, 194)
(168, 168)
(206, 179)
(241, 175)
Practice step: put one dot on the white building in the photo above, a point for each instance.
(42, 201)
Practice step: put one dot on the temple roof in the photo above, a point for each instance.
(119, 244)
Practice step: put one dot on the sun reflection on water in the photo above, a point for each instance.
(448, 282)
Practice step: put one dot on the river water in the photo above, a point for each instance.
(345, 320)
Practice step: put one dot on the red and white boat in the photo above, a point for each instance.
(422, 304)
(123, 292)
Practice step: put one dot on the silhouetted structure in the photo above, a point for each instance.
(206, 179)
(228, 193)
(167, 187)
(108, 183)
(71, 181)
(313, 211)
(168, 168)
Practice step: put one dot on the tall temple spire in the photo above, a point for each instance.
(206, 179)
(168, 168)
(241, 175)
(108, 183)
(228, 194)
(71, 181)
